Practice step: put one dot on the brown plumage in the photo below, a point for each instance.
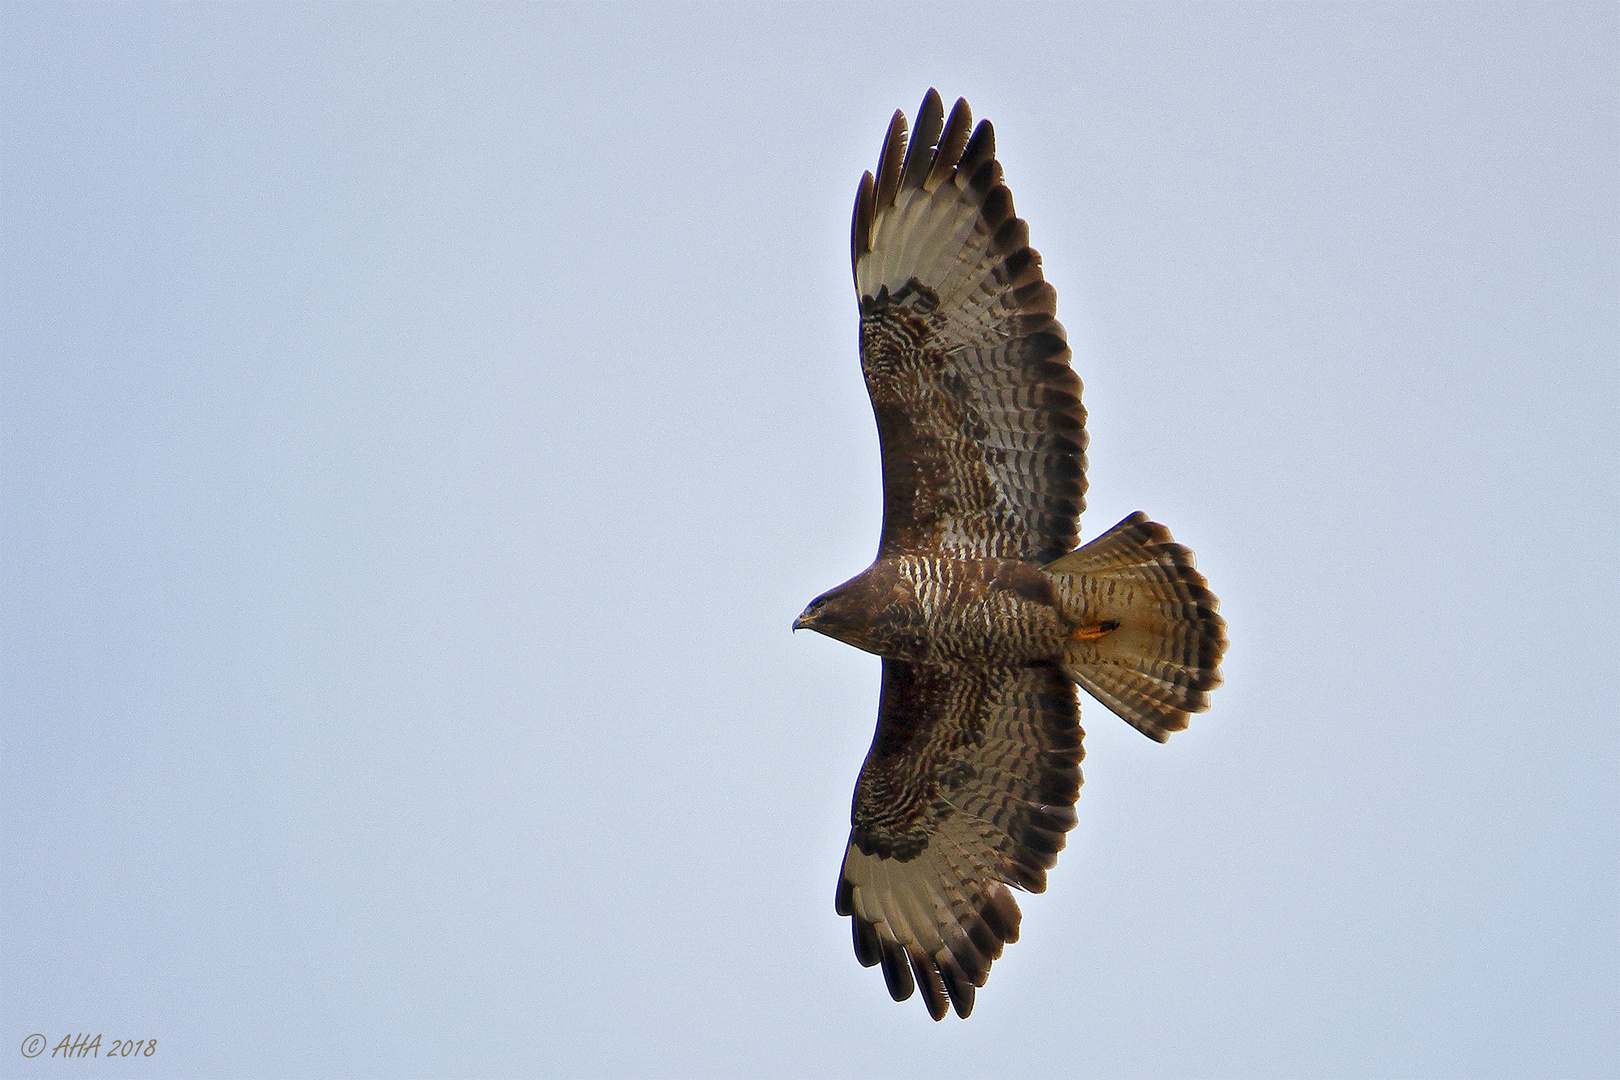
(984, 616)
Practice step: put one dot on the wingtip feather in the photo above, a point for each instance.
(890, 161)
(951, 142)
(920, 154)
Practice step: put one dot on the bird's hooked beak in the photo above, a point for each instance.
(807, 617)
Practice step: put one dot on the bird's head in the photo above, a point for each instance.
(855, 612)
(838, 613)
(820, 614)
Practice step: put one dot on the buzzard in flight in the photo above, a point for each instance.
(984, 614)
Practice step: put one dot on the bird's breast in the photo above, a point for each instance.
(983, 610)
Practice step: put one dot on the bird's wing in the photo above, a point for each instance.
(969, 786)
(978, 411)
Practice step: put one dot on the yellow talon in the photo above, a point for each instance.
(1093, 631)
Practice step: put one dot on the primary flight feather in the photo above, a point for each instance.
(984, 616)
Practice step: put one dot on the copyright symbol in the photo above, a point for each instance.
(33, 1045)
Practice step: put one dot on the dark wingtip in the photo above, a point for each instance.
(897, 971)
(981, 148)
(889, 163)
(868, 947)
(860, 226)
(957, 128)
(961, 992)
(924, 134)
(932, 986)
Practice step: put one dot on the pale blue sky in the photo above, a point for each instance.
(419, 426)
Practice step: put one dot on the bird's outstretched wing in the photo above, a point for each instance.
(969, 786)
(978, 411)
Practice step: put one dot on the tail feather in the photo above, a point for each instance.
(1150, 636)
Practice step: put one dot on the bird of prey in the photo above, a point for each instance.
(985, 615)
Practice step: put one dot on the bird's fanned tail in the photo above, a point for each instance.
(1150, 635)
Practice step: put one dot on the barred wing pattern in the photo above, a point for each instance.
(970, 783)
(978, 412)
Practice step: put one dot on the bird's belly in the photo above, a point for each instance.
(976, 611)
